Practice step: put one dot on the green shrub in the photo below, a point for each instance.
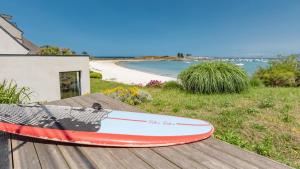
(214, 77)
(172, 85)
(285, 116)
(175, 109)
(95, 75)
(54, 50)
(251, 111)
(256, 82)
(266, 103)
(264, 147)
(282, 73)
(10, 93)
(232, 137)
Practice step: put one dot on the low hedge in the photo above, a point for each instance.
(95, 75)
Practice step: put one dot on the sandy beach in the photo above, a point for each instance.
(113, 72)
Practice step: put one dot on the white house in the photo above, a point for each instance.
(48, 77)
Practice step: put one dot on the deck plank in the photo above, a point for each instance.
(128, 159)
(177, 158)
(204, 159)
(153, 159)
(258, 160)
(76, 158)
(102, 157)
(222, 156)
(50, 156)
(73, 155)
(24, 153)
(5, 149)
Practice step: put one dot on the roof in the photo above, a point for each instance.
(33, 48)
(24, 152)
(12, 24)
(8, 17)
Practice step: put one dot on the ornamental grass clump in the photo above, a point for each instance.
(214, 77)
(10, 93)
(132, 95)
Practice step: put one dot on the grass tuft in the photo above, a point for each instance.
(214, 77)
(266, 103)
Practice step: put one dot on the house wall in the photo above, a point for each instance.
(11, 29)
(8, 45)
(41, 73)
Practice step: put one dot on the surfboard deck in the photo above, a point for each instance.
(101, 127)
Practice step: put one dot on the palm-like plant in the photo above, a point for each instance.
(10, 93)
(214, 77)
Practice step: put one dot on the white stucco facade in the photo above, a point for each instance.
(41, 73)
(9, 45)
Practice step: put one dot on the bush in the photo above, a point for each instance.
(281, 73)
(95, 75)
(214, 77)
(131, 95)
(256, 82)
(53, 50)
(266, 103)
(172, 85)
(11, 94)
(155, 83)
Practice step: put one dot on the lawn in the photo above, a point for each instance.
(263, 120)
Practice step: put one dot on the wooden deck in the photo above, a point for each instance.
(27, 153)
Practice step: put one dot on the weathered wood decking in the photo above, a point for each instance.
(27, 153)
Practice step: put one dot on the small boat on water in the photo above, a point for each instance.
(240, 64)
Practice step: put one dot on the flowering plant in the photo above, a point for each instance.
(155, 83)
(132, 95)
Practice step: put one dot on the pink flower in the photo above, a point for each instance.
(154, 83)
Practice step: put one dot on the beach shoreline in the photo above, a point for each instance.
(112, 71)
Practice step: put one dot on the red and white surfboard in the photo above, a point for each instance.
(105, 127)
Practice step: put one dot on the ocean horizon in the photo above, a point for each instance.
(209, 57)
(172, 68)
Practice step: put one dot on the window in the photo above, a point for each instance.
(69, 84)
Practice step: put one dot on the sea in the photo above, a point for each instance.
(172, 68)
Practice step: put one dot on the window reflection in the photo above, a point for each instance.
(69, 84)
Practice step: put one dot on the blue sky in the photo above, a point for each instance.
(162, 27)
